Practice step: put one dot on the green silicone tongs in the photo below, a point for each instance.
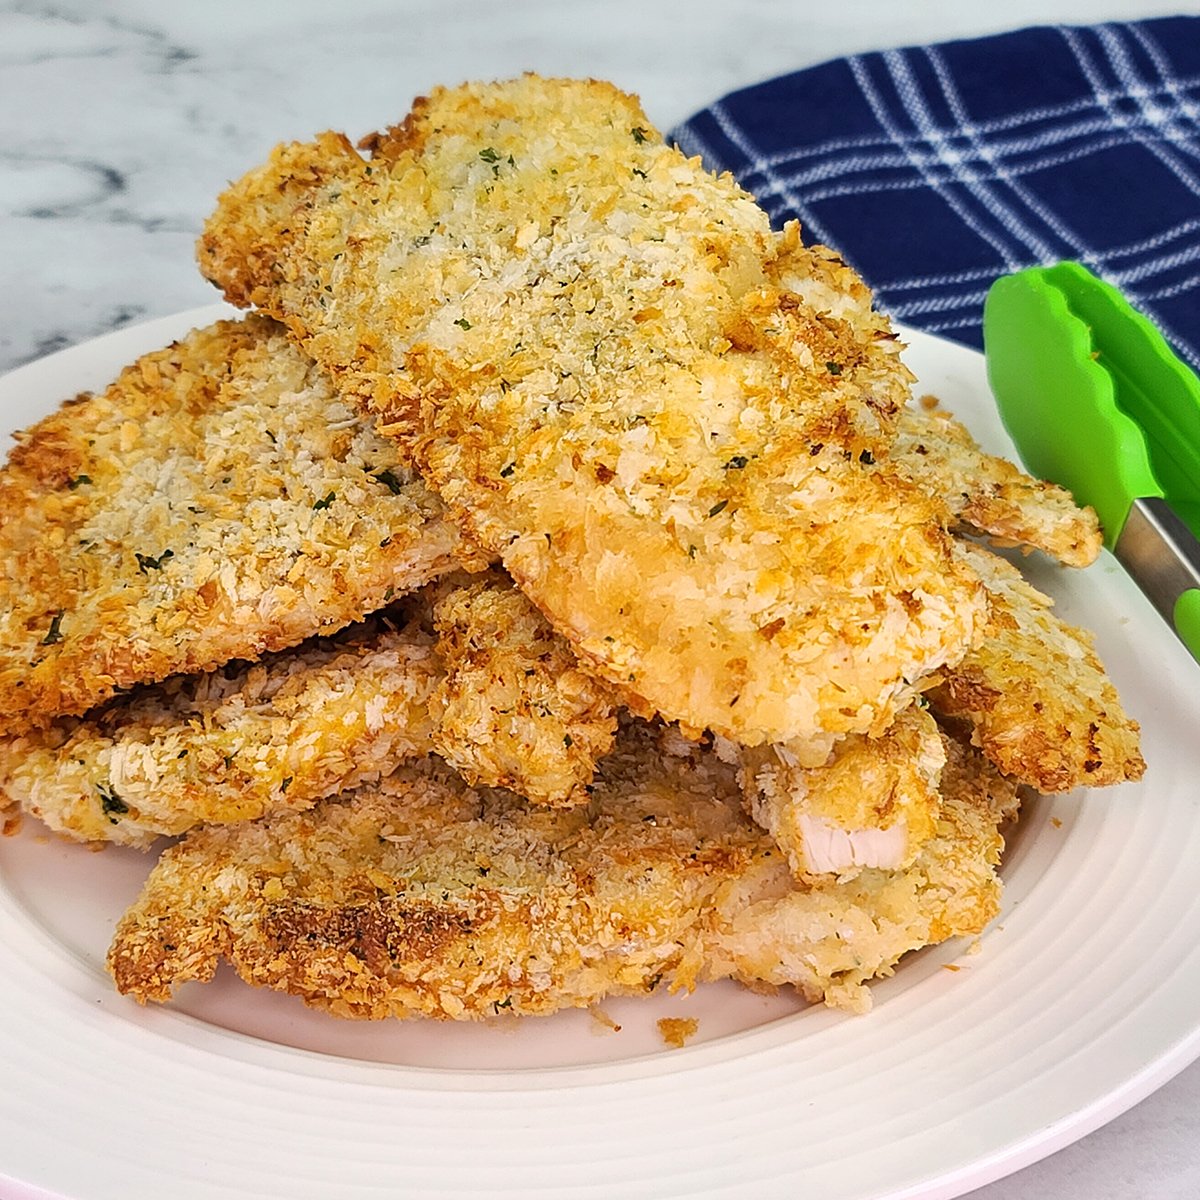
(1097, 401)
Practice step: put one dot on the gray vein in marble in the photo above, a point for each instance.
(171, 54)
(96, 182)
(51, 343)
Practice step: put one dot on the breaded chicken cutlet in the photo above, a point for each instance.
(669, 421)
(218, 501)
(514, 708)
(989, 495)
(1035, 695)
(495, 691)
(232, 744)
(875, 800)
(421, 896)
(1032, 695)
(875, 803)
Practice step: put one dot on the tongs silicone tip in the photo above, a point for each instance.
(1097, 401)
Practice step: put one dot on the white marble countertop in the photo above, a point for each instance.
(120, 121)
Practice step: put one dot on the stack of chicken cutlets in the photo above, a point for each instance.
(548, 592)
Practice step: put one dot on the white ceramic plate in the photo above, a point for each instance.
(1084, 996)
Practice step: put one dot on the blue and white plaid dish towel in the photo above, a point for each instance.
(935, 169)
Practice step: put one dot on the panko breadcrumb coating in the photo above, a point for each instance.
(495, 686)
(668, 420)
(232, 744)
(990, 495)
(514, 708)
(1034, 693)
(422, 896)
(874, 804)
(219, 500)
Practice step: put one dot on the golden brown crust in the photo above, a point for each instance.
(233, 744)
(218, 501)
(1035, 694)
(658, 412)
(514, 708)
(493, 688)
(990, 495)
(421, 896)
